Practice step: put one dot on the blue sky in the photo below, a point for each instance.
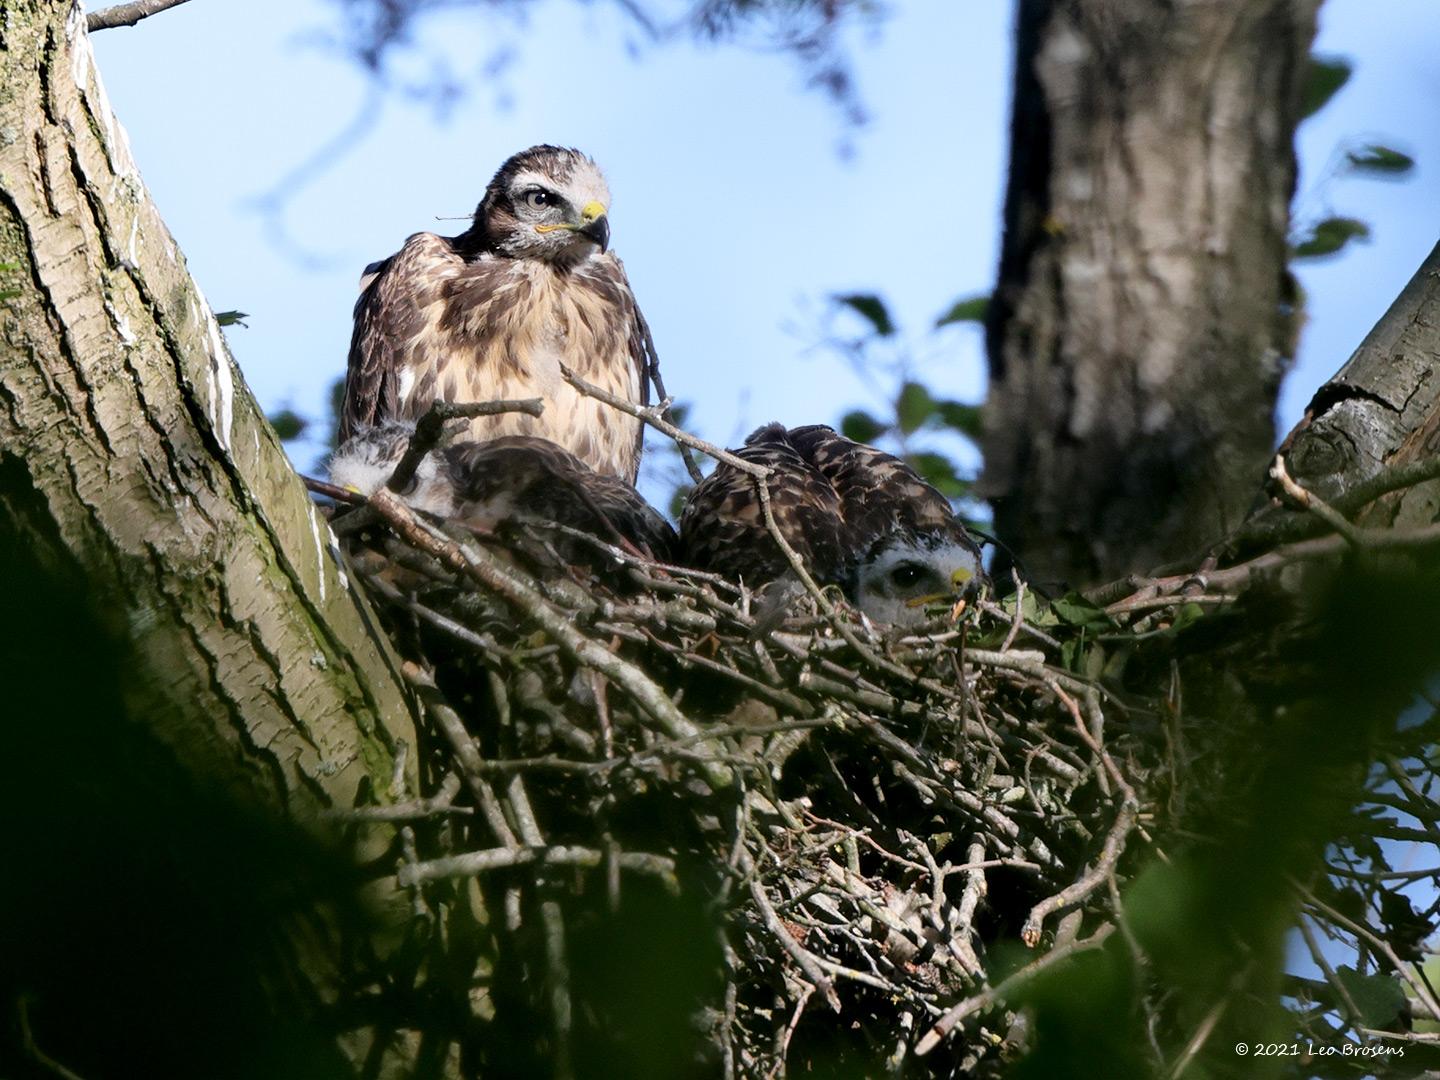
(735, 212)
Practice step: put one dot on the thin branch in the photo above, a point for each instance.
(654, 415)
(479, 862)
(802, 956)
(462, 744)
(987, 998)
(1313, 503)
(27, 1042)
(127, 14)
(507, 583)
(652, 369)
(1088, 882)
(431, 429)
(333, 491)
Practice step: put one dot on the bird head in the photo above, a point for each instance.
(906, 574)
(547, 203)
(364, 463)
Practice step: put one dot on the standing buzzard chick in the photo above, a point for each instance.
(494, 313)
(858, 517)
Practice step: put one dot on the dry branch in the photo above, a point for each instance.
(128, 14)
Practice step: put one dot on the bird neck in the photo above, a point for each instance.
(473, 241)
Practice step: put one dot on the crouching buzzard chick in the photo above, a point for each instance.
(514, 479)
(860, 519)
(494, 313)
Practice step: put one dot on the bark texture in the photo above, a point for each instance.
(1380, 411)
(133, 458)
(1141, 321)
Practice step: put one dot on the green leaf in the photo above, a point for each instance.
(1328, 237)
(1324, 76)
(966, 309)
(1379, 998)
(913, 407)
(870, 308)
(1074, 609)
(1381, 160)
(861, 426)
(288, 424)
(939, 471)
(1033, 609)
(232, 318)
(960, 416)
(1072, 654)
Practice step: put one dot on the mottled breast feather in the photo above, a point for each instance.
(835, 500)
(438, 323)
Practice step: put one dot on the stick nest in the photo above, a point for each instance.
(860, 813)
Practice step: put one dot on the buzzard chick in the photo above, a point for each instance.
(858, 517)
(494, 312)
(514, 478)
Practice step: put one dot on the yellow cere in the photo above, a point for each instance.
(959, 577)
(592, 210)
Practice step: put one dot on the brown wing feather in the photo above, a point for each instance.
(879, 492)
(389, 317)
(723, 526)
(642, 354)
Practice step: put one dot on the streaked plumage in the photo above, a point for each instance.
(494, 312)
(860, 519)
(512, 479)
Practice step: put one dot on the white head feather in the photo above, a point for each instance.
(898, 582)
(365, 463)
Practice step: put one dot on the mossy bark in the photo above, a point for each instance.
(133, 457)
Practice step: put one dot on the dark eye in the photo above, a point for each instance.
(539, 199)
(906, 574)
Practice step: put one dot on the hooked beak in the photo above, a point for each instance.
(959, 582)
(597, 225)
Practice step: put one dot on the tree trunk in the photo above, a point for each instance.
(134, 459)
(1381, 411)
(1141, 322)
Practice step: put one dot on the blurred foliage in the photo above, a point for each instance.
(929, 431)
(288, 424)
(1324, 76)
(232, 318)
(1316, 235)
(1272, 814)
(1328, 237)
(967, 309)
(1379, 160)
(870, 308)
(812, 32)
